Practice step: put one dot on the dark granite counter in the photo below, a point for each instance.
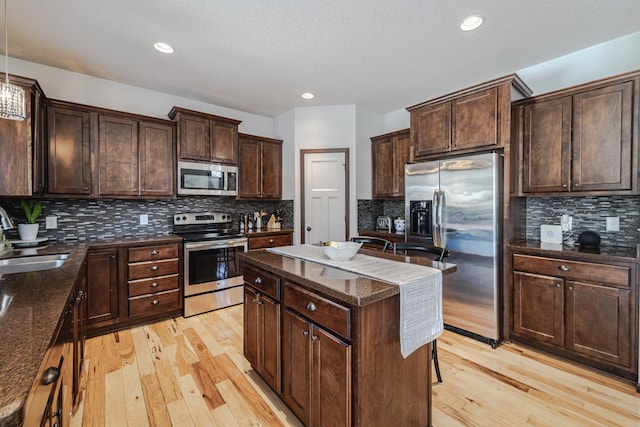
(600, 253)
(391, 236)
(28, 324)
(344, 286)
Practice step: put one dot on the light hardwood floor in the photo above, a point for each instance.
(191, 372)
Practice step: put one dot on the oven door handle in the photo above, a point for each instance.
(215, 244)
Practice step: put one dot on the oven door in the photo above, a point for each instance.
(212, 265)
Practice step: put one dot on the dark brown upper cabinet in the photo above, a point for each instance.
(476, 118)
(389, 154)
(68, 129)
(581, 139)
(205, 137)
(22, 144)
(259, 168)
(104, 153)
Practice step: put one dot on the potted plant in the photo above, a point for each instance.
(29, 231)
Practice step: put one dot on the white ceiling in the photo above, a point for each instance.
(260, 56)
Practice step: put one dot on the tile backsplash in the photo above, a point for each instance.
(105, 218)
(369, 210)
(589, 213)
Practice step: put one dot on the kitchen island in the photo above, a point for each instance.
(328, 342)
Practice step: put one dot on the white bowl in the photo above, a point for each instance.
(341, 251)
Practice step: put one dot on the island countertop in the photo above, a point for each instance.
(350, 288)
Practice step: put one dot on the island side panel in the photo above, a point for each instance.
(387, 388)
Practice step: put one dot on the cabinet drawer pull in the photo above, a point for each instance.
(155, 268)
(154, 252)
(271, 240)
(155, 302)
(257, 280)
(311, 306)
(564, 268)
(154, 285)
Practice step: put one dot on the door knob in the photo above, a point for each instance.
(308, 228)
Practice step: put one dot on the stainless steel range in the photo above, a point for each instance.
(212, 271)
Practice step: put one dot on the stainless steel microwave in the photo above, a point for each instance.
(207, 179)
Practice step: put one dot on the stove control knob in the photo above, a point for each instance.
(184, 218)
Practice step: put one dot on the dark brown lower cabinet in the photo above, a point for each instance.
(262, 337)
(316, 378)
(582, 310)
(102, 288)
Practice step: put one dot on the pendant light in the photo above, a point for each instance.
(11, 96)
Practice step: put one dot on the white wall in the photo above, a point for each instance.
(397, 120)
(617, 56)
(368, 124)
(325, 127)
(74, 87)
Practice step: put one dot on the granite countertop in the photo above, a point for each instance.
(29, 323)
(600, 253)
(350, 288)
(395, 236)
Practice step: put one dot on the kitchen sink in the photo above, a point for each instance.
(31, 263)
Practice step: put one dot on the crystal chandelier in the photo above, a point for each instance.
(11, 96)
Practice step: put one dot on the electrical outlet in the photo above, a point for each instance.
(613, 223)
(566, 221)
(51, 222)
(144, 219)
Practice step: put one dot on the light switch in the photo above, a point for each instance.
(144, 219)
(51, 222)
(613, 223)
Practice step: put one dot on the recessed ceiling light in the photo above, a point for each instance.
(163, 47)
(471, 23)
(308, 95)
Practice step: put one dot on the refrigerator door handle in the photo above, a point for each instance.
(434, 218)
(441, 204)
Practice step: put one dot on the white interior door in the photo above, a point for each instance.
(325, 214)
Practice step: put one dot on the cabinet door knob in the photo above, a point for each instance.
(155, 302)
(564, 185)
(314, 337)
(564, 268)
(51, 375)
(570, 288)
(270, 240)
(154, 285)
(154, 252)
(305, 333)
(311, 306)
(257, 280)
(155, 268)
(557, 285)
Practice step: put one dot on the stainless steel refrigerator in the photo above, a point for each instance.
(456, 203)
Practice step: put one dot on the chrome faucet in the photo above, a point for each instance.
(7, 222)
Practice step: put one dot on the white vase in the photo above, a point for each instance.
(28, 231)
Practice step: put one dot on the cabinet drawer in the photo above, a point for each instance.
(156, 284)
(142, 270)
(154, 304)
(262, 281)
(319, 310)
(592, 272)
(270, 241)
(151, 253)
